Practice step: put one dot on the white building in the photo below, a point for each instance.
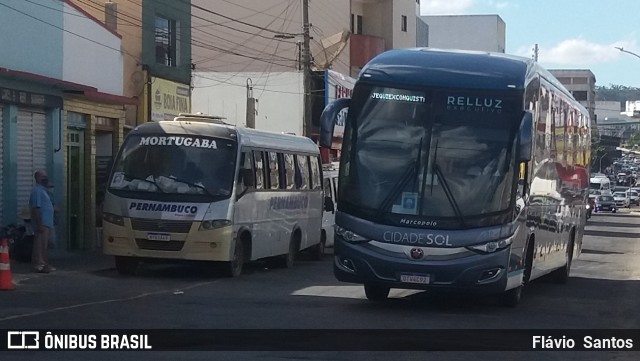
(466, 32)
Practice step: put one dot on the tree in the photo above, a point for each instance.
(620, 93)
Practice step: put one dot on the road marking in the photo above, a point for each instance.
(142, 295)
(353, 292)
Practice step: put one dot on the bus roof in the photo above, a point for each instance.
(245, 136)
(455, 68)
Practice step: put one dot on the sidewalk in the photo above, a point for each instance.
(66, 261)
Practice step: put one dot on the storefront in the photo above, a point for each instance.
(29, 141)
(93, 133)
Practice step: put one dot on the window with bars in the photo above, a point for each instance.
(165, 41)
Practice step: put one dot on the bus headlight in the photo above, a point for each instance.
(214, 224)
(349, 236)
(492, 246)
(112, 218)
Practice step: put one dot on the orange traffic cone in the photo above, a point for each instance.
(6, 279)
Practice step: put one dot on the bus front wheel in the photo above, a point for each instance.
(234, 267)
(376, 293)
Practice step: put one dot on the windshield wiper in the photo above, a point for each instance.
(191, 184)
(395, 190)
(448, 193)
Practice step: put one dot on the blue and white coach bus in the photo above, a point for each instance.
(459, 170)
(198, 189)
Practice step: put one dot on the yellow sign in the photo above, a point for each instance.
(168, 99)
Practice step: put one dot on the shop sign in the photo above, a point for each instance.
(168, 99)
(20, 97)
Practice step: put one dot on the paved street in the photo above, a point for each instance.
(87, 293)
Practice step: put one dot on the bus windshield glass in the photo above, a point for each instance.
(444, 155)
(187, 166)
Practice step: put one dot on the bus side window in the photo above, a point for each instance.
(315, 173)
(302, 172)
(289, 171)
(259, 167)
(245, 163)
(273, 171)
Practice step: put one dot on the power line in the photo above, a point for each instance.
(67, 31)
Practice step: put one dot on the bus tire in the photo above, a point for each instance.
(289, 259)
(376, 293)
(127, 266)
(561, 275)
(512, 297)
(234, 267)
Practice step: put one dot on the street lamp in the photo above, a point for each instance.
(627, 51)
(604, 155)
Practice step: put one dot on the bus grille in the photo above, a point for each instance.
(172, 246)
(155, 225)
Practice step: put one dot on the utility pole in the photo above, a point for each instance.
(535, 53)
(251, 105)
(306, 68)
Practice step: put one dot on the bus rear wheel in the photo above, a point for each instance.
(376, 293)
(127, 266)
(234, 267)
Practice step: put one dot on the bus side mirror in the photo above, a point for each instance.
(248, 178)
(525, 138)
(328, 205)
(328, 120)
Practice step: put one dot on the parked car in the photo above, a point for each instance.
(605, 204)
(621, 199)
(634, 197)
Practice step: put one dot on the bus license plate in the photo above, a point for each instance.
(413, 278)
(159, 237)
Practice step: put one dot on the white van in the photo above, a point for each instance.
(330, 186)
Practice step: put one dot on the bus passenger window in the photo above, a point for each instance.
(302, 172)
(315, 173)
(274, 174)
(289, 171)
(259, 167)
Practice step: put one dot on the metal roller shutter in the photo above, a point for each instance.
(31, 153)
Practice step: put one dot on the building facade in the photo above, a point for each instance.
(582, 85)
(467, 32)
(60, 79)
(156, 41)
(248, 61)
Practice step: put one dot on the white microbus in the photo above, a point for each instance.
(198, 189)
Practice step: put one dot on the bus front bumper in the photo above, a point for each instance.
(210, 245)
(485, 273)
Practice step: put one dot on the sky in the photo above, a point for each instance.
(571, 34)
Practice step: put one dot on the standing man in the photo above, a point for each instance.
(42, 220)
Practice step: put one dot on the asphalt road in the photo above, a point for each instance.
(603, 292)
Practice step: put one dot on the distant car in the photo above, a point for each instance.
(605, 204)
(621, 199)
(634, 197)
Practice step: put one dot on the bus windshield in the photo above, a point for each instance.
(430, 155)
(175, 165)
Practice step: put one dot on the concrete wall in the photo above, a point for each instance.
(467, 32)
(97, 62)
(25, 41)
(403, 39)
(279, 106)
